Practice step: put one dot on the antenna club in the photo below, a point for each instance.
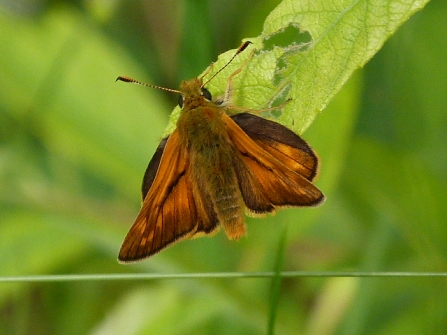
(243, 46)
(125, 79)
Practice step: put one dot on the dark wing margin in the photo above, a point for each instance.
(152, 168)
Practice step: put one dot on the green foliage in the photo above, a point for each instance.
(74, 145)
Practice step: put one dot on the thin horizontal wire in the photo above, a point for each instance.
(217, 275)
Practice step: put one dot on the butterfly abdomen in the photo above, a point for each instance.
(218, 184)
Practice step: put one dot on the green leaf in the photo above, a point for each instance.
(343, 37)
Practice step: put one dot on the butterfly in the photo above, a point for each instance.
(214, 167)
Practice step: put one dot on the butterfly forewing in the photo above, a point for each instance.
(280, 142)
(274, 170)
(169, 211)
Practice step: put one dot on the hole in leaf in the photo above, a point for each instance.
(291, 36)
(278, 99)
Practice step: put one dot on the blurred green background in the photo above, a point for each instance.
(74, 146)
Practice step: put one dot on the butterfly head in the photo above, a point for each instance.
(192, 90)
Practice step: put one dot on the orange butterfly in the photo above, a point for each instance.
(211, 168)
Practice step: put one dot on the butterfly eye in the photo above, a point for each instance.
(206, 94)
(180, 101)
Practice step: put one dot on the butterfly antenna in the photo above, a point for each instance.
(238, 51)
(133, 81)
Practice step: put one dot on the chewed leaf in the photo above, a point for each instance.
(345, 35)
